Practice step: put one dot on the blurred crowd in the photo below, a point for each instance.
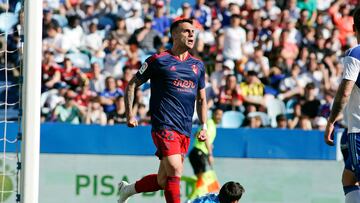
(260, 55)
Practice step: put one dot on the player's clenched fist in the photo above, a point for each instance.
(132, 122)
(202, 135)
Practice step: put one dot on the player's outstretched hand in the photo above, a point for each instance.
(132, 122)
(201, 136)
(328, 136)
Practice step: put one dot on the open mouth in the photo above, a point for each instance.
(191, 41)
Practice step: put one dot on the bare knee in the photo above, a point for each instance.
(175, 169)
(348, 178)
(161, 181)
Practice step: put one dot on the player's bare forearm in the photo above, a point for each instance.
(341, 98)
(201, 106)
(130, 96)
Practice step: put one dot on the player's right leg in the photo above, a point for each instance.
(351, 174)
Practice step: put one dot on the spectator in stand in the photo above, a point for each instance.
(71, 75)
(93, 41)
(120, 33)
(109, 95)
(118, 116)
(310, 105)
(252, 89)
(68, 112)
(281, 121)
(123, 82)
(290, 86)
(94, 113)
(304, 123)
(84, 95)
(96, 79)
(202, 13)
(50, 71)
(74, 34)
(161, 21)
(229, 95)
(258, 63)
(308, 5)
(48, 20)
(135, 21)
(148, 39)
(340, 14)
(142, 116)
(89, 15)
(254, 122)
(55, 42)
(234, 39)
(270, 10)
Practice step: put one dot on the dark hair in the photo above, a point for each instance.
(280, 117)
(230, 191)
(176, 24)
(356, 16)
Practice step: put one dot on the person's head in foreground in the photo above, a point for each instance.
(183, 34)
(231, 192)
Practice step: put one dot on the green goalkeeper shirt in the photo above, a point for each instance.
(211, 134)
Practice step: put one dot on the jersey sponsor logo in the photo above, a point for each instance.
(188, 84)
(143, 68)
(195, 69)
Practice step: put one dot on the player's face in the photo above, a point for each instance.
(185, 35)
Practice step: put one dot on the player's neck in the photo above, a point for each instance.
(181, 53)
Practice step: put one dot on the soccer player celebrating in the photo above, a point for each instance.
(349, 93)
(177, 80)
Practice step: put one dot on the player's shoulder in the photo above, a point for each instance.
(157, 56)
(196, 60)
(353, 52)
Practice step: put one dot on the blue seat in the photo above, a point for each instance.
(232, 119)
(106, 23)
(290, 108)
(275, 107)
(62, 20)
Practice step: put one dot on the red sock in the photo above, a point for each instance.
(147, 184)
(172, 189)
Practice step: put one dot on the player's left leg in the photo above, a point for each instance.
(174, 168)
(351, 174)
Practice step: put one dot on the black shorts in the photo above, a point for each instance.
(198, 160)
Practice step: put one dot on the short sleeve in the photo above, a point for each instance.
(351, 68)
(146, 69)
(202, 77)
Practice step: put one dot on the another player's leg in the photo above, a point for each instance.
(351, 174)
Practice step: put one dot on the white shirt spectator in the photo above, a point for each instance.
(93, 41)
(73, 37)
(56, 42)
(98, 84)
(251, 65)
(133, 23)
(234, 39)
(207, 37)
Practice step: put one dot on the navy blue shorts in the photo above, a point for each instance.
(353, 160)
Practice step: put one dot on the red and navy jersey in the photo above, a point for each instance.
(174, 87)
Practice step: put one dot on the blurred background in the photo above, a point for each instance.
(272, 66)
